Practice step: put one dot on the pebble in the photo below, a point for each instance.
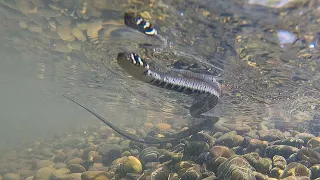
(44, 173)
(76, 168)
(75, 161)
(11, 176)
(314, 142)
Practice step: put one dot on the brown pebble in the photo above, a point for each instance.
(76, 168)
(148, 126)
(73, 176)
(75, 161)
(221, 151)
(30, 178)
(11, 176)
(59, 172)
(24, 173)
(314, 142)
(92, 175)
(60, 157)
(44, 163)
(44, 173)
(162, 126)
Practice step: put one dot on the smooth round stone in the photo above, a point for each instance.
(11, 176)
(230, 139)
(25, 173)
(271, 135)
(239, 128)
(75, 161)
(73, 176)
(89, 175)
(126, 153)
(314, 142)
(59, 172)
(256, 144)
(191, 173)
(279, 161)
(282, 150)
(44, 163)
(275, 172)
(128, 164)
(315, 171)
(46, 152)
(296, 169)
(308, 155)
(262, 165)
(60, 157)
(160, 173)
(30, 178)
(183, 165)
(221, 151)
(44, 173)
(150, 157)
(151, 165)
(134, 152)
(76, 168)
(304, 136)
(235, 168)
(59, 165)
(162, 126)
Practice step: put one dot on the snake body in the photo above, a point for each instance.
(205, 89)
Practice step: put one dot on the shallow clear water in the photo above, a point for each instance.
(268, 59)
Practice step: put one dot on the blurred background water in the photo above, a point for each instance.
(266, 53)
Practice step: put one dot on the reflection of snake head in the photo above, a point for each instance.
(135, 21)
(133, 65)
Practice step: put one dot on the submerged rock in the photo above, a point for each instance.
(309, 156)
(262, 165)
(76, 168)
(304, 136)
(44, 173)
(149, 154)
(236, 168)
(129, 164)
(160, 173)
(110, 152)
(314, 142)
(282, 150)
(294, 142)
(11, 176)
(221, 151)
(91, 175)
(279, 161)
(296, 169)
(230, 139)
(315, 171)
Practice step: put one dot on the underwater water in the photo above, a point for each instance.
(257, 82)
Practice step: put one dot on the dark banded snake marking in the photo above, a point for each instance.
(204, 88)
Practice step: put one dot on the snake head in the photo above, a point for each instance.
(135, 21)
(133, 64)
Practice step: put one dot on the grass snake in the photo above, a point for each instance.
(204, 88)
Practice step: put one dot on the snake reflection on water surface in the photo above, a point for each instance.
(204, 88)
